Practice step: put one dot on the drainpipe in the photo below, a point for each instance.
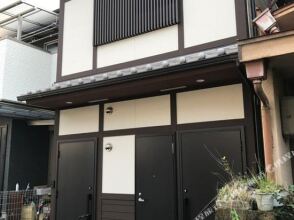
(255, 71)
(266, 128)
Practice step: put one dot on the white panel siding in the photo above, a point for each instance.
(123, 115)
(138, 47)
(79, 120)
(78, 36)
(147, 112)
(24, 68)
(119, 165)
(153, 111)
(207, 21)
(215, 104)
(2, 64)
(54, 68)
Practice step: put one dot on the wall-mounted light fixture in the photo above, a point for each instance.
(200, 80)
(109, 110)
(109, 147)
(266, 22)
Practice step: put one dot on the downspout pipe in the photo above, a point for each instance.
(256, 73)
(257, 83)
(266, 128)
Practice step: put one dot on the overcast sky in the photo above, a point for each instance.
(45, 4)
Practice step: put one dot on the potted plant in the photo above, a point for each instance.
(264, 193)
(234, 195)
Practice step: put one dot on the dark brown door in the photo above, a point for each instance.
(3, 143)
(201, 172)
(76, 168)
(155, 178)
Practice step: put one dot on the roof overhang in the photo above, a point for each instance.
(20, 110)
(216, 71)
(266, 46)
(285, 17)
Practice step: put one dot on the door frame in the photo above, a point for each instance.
(179, 158)
(175, 173)
(76, 140)
(3, 149)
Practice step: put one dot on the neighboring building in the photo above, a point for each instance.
(149, 95)
(269, 64)
(26, 131)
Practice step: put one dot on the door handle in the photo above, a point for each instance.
(88, 216)
(141, 200)
(186, 206)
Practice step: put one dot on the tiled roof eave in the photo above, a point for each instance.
(195, 60)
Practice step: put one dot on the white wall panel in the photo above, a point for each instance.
(77, 54)
(79, 120)
(207, 21)
(123, 115)
(214, 104)
(24, 68)
(138, 47)
(119, 165)
(146, 112)
(3, 47)
(153, 111)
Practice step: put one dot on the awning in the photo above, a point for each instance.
(20, 110)
(201, 70)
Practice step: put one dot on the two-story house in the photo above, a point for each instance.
(149, 96)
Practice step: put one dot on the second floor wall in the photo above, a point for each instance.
(134, 32)
(24, 68)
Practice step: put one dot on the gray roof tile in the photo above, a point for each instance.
(209, 54)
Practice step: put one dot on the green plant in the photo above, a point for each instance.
(234, 215)
(264, 185)
(237, 189)
(286, 212)
(234, 194)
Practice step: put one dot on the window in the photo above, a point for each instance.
(120, 19)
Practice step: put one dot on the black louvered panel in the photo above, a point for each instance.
(120, 19)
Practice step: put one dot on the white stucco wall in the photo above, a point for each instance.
(79, 120)
(138, 113)
(24, 68)
(138, 47)
(119, 165)
(213, 104)
(77, 54)
(3, 44)
(204, 23)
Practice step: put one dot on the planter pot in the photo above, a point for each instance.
(240, 205)
(223, 204)
(265, 201)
